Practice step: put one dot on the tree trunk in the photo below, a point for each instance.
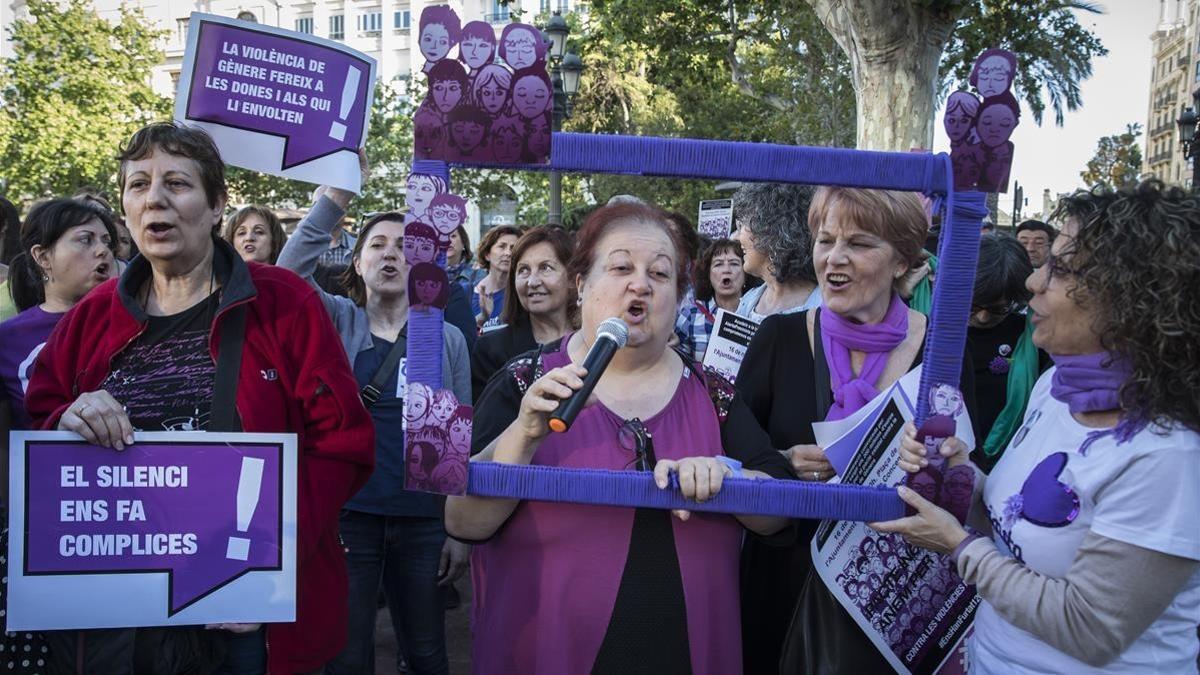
(894, 47)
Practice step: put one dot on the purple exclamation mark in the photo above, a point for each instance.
(249, 486)
(349, 92)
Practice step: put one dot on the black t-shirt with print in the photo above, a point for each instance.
(165, 379)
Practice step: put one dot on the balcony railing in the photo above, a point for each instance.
(1162, 128)
(497, 17)
(1160, 157)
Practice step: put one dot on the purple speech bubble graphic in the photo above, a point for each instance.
(312, 95)
(204, 512)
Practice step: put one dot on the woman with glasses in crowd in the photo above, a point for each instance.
(566, 588)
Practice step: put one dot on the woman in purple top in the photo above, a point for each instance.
(66, 251)
(565, 588)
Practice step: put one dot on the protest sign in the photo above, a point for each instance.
(727, 346)
(716, 218)
(909, 601)
(277, 101)
(181, 528)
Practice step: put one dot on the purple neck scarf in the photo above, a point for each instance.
(839, 336)
(1092, 383)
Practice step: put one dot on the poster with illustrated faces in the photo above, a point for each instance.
(437, 427)
(980, 124)
(488, 100)
(909, 601)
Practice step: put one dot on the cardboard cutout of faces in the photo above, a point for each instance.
(979, 126)
(435, 422)
(470, 93)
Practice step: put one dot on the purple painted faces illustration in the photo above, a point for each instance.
(531, 94)
(961, 109)
(998, 117)
(993, 72)
(418, 398)
(521, 46)
(491, 87)
(478, 45)
(448, 83)
(447, 212)
(508, 141)
(428, 287)
(439, 32)
(538, 141)
(429, 135)
(945, 399)
(419, 193)
(420, 243)
(468, 128)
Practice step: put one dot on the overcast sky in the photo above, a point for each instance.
(1117, 94)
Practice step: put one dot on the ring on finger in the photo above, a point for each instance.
(82, 407)
(816, 475)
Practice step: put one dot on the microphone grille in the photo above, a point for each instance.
(615, 329)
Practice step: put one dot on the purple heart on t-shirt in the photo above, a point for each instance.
(1045, 500)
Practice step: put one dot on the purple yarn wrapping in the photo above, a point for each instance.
(731, 160)
(958, 254)
(636, 489)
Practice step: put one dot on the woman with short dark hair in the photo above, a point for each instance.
(160, 329)
(1000, 337)
(1084, 546)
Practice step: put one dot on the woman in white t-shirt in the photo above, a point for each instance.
(1087, 549)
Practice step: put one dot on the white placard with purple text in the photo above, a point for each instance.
(179, 529)
(277, 101)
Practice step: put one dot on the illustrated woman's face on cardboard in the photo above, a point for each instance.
(539, 136)
(994, 76)
(466, 135)
(491, 95)
(435, 42)
(520, 49)
(476, 52)
(996, 124)
(446, 94)
(506, 146)
(531, 96)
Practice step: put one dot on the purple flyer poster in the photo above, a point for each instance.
(488, 98)
(434, 421)
(277, 101)
(181, 528)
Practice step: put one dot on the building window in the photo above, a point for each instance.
(544, 6)
(181, 26)
(175, 82)
(564, 6)
(499, 13)
(337, 27)
(304, 25)
(402, 20)
(1198, 71)
(370, 23)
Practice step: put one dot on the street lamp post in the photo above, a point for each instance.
(564, 77)
(1188, 137)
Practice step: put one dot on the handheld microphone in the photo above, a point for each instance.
(611, 335)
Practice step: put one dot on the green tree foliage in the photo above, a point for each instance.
(1118, 160)
(75, 89)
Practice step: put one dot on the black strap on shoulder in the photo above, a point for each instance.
(821, 382)
(224, 415)
(371, 393)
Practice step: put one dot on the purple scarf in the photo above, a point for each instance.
(1092, 383)
(839, 336)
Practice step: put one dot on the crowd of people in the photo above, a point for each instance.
(1081, 377)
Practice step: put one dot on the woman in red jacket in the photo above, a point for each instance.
(142, 354)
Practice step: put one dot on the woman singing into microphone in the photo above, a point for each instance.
(576, 585)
